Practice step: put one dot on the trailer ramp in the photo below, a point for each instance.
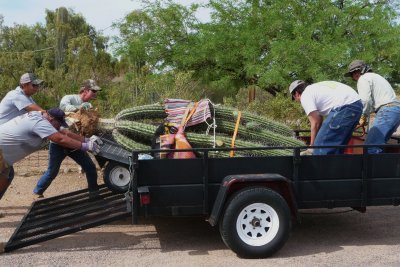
(66, 214)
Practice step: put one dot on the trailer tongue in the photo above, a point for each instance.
(66, 214)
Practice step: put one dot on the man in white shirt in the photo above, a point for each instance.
(19, 101)
(87, 92)
(57, 153)
(378, 96)
(338, 103)
(29, 132)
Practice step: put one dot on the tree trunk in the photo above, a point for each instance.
(61, 35)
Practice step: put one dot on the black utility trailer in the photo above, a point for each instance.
(255, 200)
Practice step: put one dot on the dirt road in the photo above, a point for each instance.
(322, 239)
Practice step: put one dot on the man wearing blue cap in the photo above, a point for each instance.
(29, 132)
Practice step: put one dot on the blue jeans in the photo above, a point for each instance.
(337, 128)
(385, 124)
(57, 154)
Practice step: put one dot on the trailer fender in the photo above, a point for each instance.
(233, 183)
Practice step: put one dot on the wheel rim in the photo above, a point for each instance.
(257, 224)
(119, 176)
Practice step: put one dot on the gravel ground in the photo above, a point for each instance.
(323, 238)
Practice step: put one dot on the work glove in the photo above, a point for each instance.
(362, 122)
(307, 152)
(90, 146)
(86, 105)
(95, 139)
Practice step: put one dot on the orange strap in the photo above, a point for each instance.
(232, 153)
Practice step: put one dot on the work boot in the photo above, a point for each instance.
(37, 196)
(95, 194)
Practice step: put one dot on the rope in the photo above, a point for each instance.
(213, 125)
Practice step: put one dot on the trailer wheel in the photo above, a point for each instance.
(116, 176)
(256, 223)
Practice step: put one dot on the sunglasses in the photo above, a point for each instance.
(35, 85)
(94, 91)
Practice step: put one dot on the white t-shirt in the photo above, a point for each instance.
(71, 103)
(14, 104)
(325, 96)
(374, 91)
(24, 135)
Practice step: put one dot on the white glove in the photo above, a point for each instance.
(91, 147)
(95, 139)
(307, 152)
(86, 105)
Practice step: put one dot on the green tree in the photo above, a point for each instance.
(64, 52)
(269, 42)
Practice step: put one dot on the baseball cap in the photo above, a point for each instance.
(355, 65)
(29, 78)
(91, 84)
(59, 115)
(294, 85)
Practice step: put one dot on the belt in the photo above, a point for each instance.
(391, 104)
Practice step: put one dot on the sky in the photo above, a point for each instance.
(98, 13)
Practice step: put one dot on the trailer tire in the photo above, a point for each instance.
(256, 222)
(116, 176)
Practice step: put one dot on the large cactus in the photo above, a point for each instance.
(145, 131)
(156, 111)
(230, 114)
(134, 129)
(128, 143)
(153, 111)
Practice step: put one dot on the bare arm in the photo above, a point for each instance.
(33, 107)
(65, 141)
(316, 121)
(72, 135)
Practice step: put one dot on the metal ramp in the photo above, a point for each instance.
(66, 214)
